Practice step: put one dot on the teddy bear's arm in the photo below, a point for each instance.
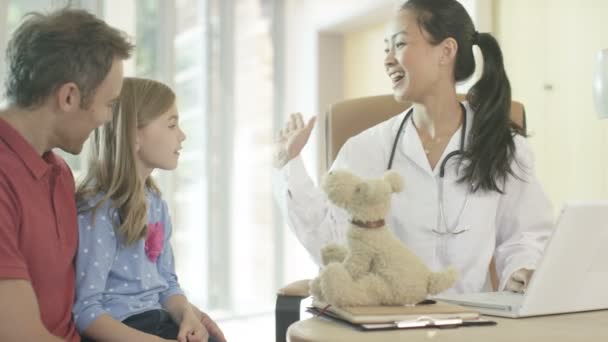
(333, 253)
(358, 262)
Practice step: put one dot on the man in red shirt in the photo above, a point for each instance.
(64, 77)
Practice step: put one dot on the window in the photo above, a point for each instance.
(225, 229)
(220, 58)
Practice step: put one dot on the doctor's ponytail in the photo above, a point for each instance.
(491, 148)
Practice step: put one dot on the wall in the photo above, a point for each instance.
(549, 49)
(364, 73)
(308, 23)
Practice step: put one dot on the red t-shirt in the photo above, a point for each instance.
(38, 228)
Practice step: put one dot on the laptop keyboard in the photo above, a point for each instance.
(502, 298)
(505, 300)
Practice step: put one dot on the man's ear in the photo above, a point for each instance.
(68, 97)
(449, 49)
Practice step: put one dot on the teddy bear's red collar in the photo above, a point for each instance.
(368, 224)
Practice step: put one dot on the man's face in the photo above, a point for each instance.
(76, 125)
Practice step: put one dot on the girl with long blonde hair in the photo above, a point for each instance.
(126, 283)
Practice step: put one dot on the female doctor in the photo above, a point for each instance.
(471, 191)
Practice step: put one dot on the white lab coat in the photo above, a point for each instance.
(513, 226)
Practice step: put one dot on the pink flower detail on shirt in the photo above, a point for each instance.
(154, 241)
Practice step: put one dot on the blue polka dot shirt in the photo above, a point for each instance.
(115, 279)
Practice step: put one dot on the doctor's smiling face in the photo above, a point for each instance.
(411, 62)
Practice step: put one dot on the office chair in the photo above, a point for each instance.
(342, 121)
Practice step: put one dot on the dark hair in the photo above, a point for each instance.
(491, 148)
(68, 45)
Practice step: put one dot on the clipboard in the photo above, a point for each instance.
(427, 314)
(419, 323)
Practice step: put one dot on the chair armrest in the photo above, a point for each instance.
(287, 310)
(298, 288)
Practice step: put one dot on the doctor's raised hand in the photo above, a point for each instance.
(292, 139)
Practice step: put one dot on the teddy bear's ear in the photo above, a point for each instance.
(395, 180)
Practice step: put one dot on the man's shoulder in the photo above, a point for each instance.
(8, 158)
(11, 166)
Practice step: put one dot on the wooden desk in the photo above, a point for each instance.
(578, 327)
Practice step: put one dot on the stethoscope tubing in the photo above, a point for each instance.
(401, 131)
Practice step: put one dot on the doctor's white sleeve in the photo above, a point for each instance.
(305, 207)
(309, 214)
(524, 218)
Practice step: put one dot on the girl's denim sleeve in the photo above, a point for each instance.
(166, 264)
(96, 253)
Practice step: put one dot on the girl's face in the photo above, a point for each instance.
(159, 142)
(411, 62)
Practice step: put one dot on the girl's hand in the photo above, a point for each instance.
(212, 328)
(191, 329)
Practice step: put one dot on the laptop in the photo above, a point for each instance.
(572, 275)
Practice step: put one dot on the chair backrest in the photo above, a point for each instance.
(351, 117)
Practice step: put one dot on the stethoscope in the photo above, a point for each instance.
(449, 229)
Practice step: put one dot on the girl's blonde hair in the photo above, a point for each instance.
(112, 169)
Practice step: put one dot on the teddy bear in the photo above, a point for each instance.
(374, 268)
